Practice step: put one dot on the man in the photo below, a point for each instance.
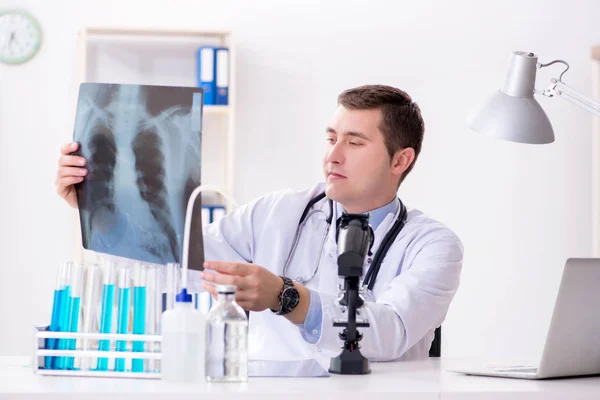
(371, 144)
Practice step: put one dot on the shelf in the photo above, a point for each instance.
(208, 109)
(170, 43)
(154, 32)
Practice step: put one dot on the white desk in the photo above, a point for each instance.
(422, 380)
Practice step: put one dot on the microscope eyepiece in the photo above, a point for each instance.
(354, 239)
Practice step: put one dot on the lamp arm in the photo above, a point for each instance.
(559, 88)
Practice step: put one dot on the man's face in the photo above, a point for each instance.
(356, 164)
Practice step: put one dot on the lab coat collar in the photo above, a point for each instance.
(378, 215)
(380, 232)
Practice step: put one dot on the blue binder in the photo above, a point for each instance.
(222, 75)
(206, 65)
(212, 213)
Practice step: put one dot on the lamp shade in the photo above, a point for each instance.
(512, 113)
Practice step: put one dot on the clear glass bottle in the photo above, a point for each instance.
(226, 339)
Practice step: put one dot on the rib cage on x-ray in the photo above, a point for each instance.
(143, 145)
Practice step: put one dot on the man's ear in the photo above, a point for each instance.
(402, 160)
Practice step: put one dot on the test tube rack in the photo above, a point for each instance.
(40, 354)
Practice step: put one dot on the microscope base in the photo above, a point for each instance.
(350, 363)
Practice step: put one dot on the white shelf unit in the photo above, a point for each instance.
(166, 57)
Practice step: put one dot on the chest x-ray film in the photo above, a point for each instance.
(143, 150)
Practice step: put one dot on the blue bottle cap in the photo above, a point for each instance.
(183, 297)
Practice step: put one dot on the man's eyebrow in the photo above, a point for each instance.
(358, 135)
(350, 133)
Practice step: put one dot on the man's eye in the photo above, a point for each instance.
(355, 144)
(329, 140)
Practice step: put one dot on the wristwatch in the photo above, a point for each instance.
(288, 298)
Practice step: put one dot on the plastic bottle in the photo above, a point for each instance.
(183, 331)
(226, 339)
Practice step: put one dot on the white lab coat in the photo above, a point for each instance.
(414, 288)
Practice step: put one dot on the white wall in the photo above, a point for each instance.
(520, 211)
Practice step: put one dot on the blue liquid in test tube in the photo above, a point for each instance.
(75, 302)
(123, 315)
(63, 320)
(108, 299)
(139, 313)
(51, 343)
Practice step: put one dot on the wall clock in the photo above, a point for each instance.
(20, 36)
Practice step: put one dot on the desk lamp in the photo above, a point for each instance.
(513, 114)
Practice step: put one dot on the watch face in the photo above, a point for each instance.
(20, 37)
(290, 298)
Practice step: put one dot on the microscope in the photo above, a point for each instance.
(354, 240)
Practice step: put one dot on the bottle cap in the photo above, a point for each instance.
(183, 297)
(226, 289)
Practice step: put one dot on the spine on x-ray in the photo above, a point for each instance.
(103, 158)
(149, 164)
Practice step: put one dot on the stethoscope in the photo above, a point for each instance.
(386, 243)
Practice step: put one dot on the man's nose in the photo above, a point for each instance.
(336, 154)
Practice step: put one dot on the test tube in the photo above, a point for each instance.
(91, 314)
(59, 288)
(75, 308)
(139, 313)
(123, 314)
(204, 302)
(108, 300)
(153, 313)
(171, 286)
(65, 309)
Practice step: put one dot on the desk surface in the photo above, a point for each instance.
(421, 380)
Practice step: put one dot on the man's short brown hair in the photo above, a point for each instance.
(401, 122)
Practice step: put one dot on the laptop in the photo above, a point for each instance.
(572, 346)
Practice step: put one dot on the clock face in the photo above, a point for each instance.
(290, 298)
(20, 37)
